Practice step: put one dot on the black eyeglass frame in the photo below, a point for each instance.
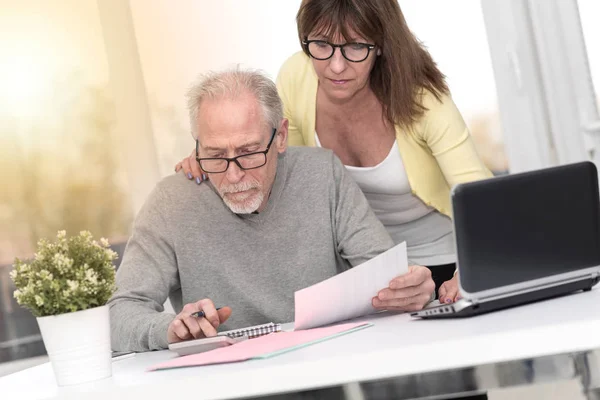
(235, 159)
(307, 42)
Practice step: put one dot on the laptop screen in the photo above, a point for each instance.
(520, 227)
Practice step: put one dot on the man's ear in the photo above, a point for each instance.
(282, 136)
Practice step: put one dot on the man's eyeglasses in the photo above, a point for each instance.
(323, 50)
(215, 165)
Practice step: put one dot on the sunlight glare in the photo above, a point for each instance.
(23, 85)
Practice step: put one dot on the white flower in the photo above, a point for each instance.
(27, 290)
(46, 275)
(91, 276)
(61, 244)
(38, 300)
(62, 262)
(112, 254)
(86, 235)
(23, 269)
(104, 242)
(17, 294)
(73, 285)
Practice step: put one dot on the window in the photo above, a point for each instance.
(199, 36)
(61, 168)
(542, 72)
(461, 51)
(589, 10)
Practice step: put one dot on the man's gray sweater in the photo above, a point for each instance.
(187, 245)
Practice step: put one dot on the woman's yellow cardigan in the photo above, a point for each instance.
(438, 151)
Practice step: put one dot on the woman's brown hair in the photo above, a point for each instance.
(404, 67)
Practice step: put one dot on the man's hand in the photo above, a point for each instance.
(448, 292)
(408, 292)
(186, 327)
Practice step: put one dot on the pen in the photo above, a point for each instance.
(200, 314)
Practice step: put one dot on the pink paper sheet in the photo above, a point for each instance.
(256, 347)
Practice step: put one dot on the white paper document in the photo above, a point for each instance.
(349, 294)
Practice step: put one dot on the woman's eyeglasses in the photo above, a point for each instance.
(323, 50)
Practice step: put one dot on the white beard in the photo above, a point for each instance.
(249, 203)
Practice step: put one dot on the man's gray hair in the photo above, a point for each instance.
(232, 83)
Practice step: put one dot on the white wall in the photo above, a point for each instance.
(176, 43)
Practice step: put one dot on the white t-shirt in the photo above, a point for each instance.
(427, 232)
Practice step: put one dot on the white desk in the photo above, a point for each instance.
(396, 346)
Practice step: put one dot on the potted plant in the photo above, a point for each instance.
(66, 286)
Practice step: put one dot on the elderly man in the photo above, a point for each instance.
(271, 221)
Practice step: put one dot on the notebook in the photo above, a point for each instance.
(263, 347)
(253, 331)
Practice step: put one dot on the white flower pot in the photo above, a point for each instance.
(78, 345)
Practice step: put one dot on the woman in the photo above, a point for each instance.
(365, 87)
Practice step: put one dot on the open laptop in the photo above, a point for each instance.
(524, 237)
